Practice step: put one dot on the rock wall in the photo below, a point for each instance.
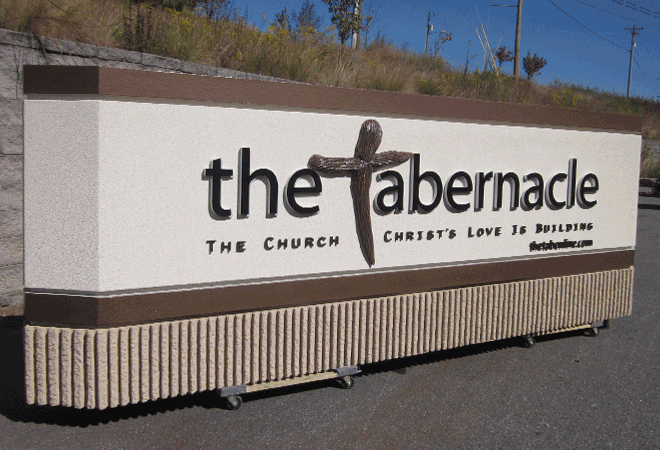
(17, 50)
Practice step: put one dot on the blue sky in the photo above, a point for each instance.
(595, 57)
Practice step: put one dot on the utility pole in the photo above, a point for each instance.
(429, 30)
(355, 39)
(516, 61)
(359, 33)
(633, 44)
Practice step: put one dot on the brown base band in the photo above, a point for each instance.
(110, 311)
(108, 367)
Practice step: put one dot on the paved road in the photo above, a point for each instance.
(567, 392)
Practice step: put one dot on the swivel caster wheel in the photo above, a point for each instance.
(233, 402)
(591, 332)
(529, 341)
(346, 382)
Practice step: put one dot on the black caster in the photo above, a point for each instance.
(346, 382)
(233, 402)
(529, 341)
(591, 332)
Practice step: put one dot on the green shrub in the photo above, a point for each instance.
(651, 170)
(428, 87)
(390, 82)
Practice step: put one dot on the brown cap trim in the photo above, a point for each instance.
(89, 80)
(74, 310)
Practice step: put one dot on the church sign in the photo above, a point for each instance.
(359, 225)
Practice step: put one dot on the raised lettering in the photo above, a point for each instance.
(415, 179)
(550, 199)
(498, 186)
(479, 189)
(583, 190)
(395, 190)
(216, 174)
(246, 178)
(451, 191)
(536, 190)
(315, 187)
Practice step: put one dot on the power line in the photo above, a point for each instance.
(648, 55)
(640, 67)
(586, 4)
(581, 24)
(613, 14)
(640, 9)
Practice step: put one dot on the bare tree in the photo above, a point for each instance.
(443, 38)
(307, 20)
(503, 55)
(369, 15)
(281, 21)
(532, 65)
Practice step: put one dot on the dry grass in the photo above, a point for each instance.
(313, 57)
(93, 22)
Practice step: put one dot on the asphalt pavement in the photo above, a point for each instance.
(569, 391)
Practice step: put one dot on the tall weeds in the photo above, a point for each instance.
(313, 56)
(93, 22)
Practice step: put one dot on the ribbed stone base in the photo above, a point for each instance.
(101, 368)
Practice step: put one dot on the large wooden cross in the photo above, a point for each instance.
(360, 168)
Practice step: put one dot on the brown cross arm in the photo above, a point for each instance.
(390, 158)
(339, 166)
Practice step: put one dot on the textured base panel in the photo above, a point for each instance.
(101, 368)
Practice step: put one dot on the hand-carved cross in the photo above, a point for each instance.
(360, 168)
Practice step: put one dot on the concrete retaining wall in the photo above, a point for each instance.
(17, 50)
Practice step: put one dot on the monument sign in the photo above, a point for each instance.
(185, 233)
